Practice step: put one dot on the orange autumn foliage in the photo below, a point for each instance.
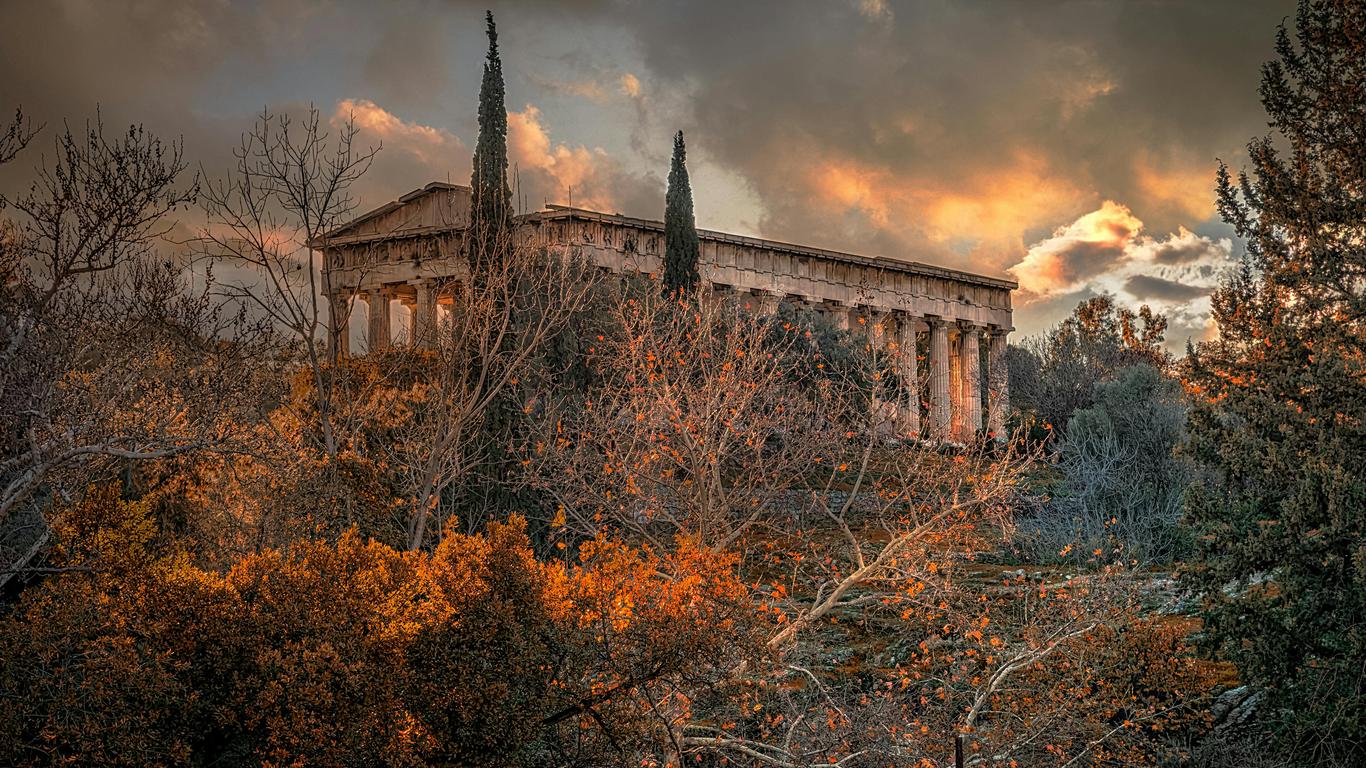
(352, 653)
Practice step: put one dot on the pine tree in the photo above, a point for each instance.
(1281, 397)
(681, 247)
(491, 208)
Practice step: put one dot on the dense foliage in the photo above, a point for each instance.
(349, 653)
(1281, 396)
(1052, 376)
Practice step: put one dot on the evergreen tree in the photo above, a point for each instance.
(491, 208)
(1281, 397)
(681, 248)
(491, 491)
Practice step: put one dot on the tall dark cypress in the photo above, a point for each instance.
(681, 248)
(491, 209)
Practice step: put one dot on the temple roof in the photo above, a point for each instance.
(429, 220)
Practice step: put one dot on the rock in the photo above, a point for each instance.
(1234, 707)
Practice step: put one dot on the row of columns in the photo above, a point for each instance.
(954, 403)
(954, 407)
(379, 329)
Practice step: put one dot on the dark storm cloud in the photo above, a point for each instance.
(1146, 287)
(1183, 251)
(1019, 111)
(1080, 260)
(411, 60)
(155, 63)
(200, 70)
(952, 131)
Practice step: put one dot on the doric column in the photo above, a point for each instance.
(338, 325)
(955, 383)
(424, 315)
(877, 332)
(998, 384)
(839, 315)
(971, 399)
(910, 379)
(879, 328)
(941, 418)
(379, 334)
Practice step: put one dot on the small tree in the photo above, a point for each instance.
(1123, 485)
(496, 338)
(1280, 415)
(290, 186)
(491, 207)
(1094, 343)
(681, 248)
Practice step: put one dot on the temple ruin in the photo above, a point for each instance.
(405, 250)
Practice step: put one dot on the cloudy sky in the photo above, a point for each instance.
(1071, 145)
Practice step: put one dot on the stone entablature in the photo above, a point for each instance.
(624, 244)
(404, 250)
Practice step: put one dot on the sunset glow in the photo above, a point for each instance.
(619, 384)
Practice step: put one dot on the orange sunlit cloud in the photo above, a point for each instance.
(1083, 249)
(991, 209)
(1185, 190)
(430, 145)
(578, 171)
(1105, 251)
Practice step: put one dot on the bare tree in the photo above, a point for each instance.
(17, 135)
(711, 425)
(492, 339)
(698, 423)
(289, 187)
(104, 357)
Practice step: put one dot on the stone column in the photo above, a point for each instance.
(941, 418)
(407, 303)
(338, 325)
(910, 379)
(971, 398)
(839, 315)
(379, 333)
(879, 328)
(998, 384)
(424, 315)
(956, 419)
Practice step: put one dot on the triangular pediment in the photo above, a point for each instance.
(438, 205)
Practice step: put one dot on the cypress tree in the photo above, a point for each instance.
(1280, 411)
(491, 208)
(681, 248)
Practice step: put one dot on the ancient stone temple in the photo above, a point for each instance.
(403, 250)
